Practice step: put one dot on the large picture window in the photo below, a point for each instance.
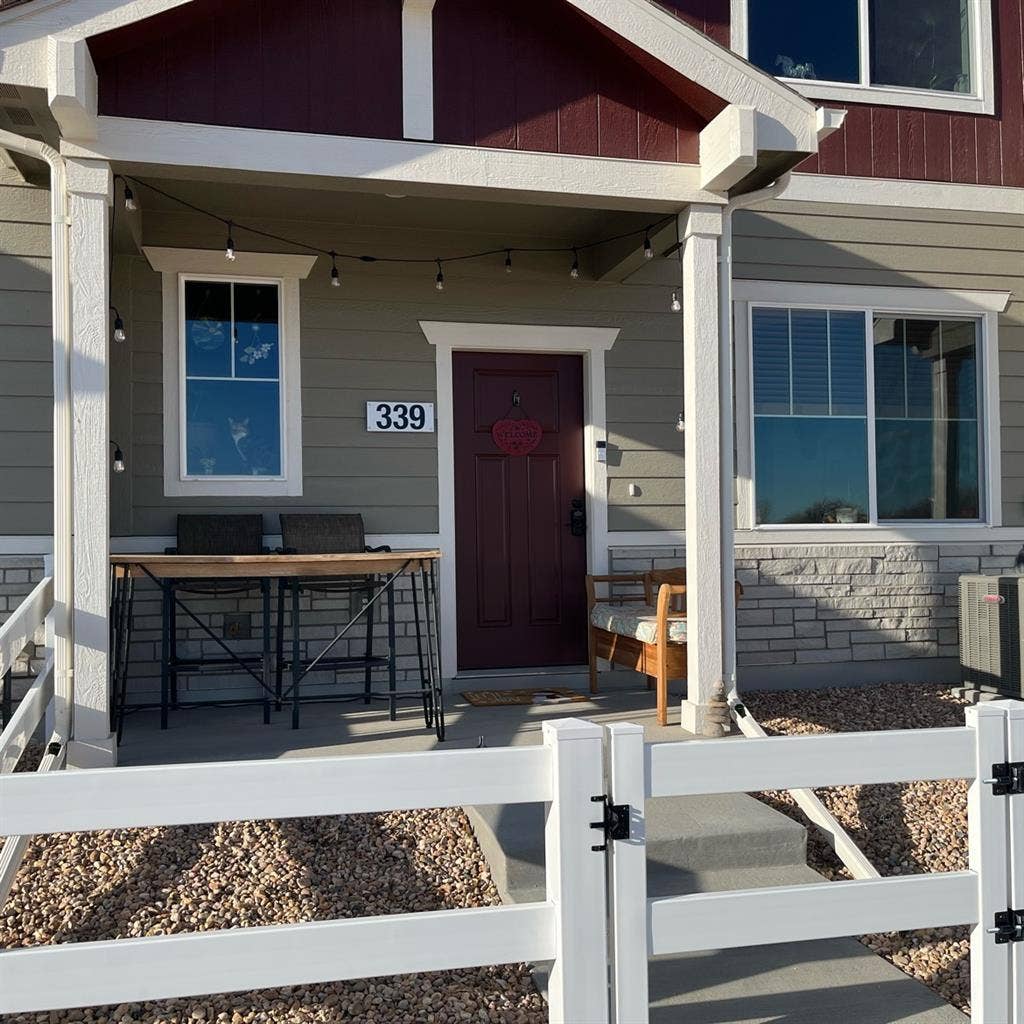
(865, 417)
(939, 50)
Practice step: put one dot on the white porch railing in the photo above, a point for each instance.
(15, 635)
(644, 927)
(568, 928)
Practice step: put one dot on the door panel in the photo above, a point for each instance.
(520, 572)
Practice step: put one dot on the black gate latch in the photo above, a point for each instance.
(1007, 779)
(1009, 927)
(614, 822)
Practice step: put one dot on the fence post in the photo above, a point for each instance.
(630, 998)
(575, 874)
(1015, 812)
(988, 843)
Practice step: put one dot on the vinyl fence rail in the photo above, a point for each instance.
(568, 927)
(15, 635)
(983, 751)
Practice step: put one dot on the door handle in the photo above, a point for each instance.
(577, 518)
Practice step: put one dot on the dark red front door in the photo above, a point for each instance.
(519, 567)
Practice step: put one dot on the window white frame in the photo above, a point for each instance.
(180, 265)
(929, 303)
(980, 101)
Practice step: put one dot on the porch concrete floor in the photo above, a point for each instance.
(229, 734)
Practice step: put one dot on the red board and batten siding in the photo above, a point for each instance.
(895, 142)
(530, 75)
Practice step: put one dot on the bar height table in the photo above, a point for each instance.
(384, 569)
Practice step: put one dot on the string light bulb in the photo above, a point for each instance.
(648, 247)
(229, 245)
(508, 261)
(677, 306)
(439, 280)
(118, 464)
(129, 199)
(574, 270)
(681, 424)
(335, 276)
(120, 334)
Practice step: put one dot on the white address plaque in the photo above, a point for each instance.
(414, 417)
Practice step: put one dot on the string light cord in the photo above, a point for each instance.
(231, 224)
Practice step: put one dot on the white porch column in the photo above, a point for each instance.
(700, 229)
(90, 184)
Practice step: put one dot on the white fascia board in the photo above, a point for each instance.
(418, 69)
(888, 192)
(903, 300)
(728, 148)
(697, 57)
(71, 87)
(24, 30)
(143, 146)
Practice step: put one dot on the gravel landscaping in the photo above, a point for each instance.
(136, 882)
(904, 829)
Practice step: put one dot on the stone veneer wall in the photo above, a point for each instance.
(18, 575)
(826, 611)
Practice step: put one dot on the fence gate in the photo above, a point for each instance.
(989, 896)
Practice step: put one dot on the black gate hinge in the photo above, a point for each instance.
(614, 822)
(1007, 779)
(1009, 927)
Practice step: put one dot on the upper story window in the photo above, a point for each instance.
(916, 53)
(232, 391)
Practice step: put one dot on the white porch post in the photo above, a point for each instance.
(700, 229)
(90, 185)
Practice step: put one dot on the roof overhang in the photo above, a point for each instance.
(764, 130)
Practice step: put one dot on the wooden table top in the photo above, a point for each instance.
(274, 566)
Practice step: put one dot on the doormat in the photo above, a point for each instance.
(508, 698)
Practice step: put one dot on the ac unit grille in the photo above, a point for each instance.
(990, 632)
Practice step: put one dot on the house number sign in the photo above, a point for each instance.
(399, 417)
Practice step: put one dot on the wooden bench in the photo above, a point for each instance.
(641, 629)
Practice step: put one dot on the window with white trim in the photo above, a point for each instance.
(865, 416)
(929, 53)
(232, 399)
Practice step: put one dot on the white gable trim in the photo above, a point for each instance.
(418, 69)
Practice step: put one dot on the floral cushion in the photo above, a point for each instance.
(636, 620)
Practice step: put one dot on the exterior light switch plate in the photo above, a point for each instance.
(237, 626)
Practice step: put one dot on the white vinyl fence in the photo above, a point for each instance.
(989, 746)
(568, 928)
(15, 635)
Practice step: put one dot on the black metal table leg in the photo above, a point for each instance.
(167, 600)
(433, 658)
(392, 656)
(428, 700)
(436, 653)
(368, 674)
(296, 661)
(126, 650)
(265, 595)
(173, 634)
(279, 660)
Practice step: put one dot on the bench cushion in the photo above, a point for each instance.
(636, 620)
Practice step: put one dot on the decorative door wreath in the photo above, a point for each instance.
(516, 435)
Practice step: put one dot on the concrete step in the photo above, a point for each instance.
(685, 836)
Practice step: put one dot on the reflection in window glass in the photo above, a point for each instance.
(232, 383)
(921, 44)
(805, 38)
(926, 419)
(810, 416)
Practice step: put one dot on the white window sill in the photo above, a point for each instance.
(866, 533)
(257, 487)
(892, 96)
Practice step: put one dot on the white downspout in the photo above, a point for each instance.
(60, 288)
(727, 428)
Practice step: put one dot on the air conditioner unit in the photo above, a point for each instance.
(990, 633)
